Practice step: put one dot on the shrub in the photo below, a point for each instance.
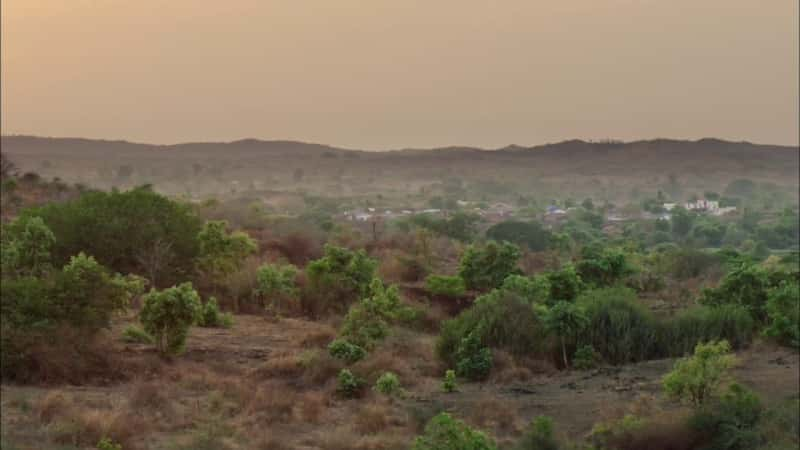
(697, 379)
(136, 335)
(602, 266)
(443, 432)
(619, 328)
(26, 245)
(346, 351)
(585, 358)
(337, 278)
(388, 384)
(682, 333)
(565, 320)
(565, 284)
(449, 384)
(539, 436)
(731, 423)
(473, 360)
(535, 290)
(349, 385)
(222, 253)
(747, 285)
(367, 322)
(276, 282)
(167, 316)
(445, 286)
(486, 267)
(529, 234)
(783, 314)
(108, 444)
(211, 317)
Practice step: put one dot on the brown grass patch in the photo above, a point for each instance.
(273, 404)
(320, 337)
(312, 406)
(490, 412)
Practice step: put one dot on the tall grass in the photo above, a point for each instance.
(702, 324)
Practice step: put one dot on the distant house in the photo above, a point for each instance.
(703, 205)
(555, 210)
(669, 206)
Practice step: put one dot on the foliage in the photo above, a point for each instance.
(339, 277)
(783, 313)
(445, 286)
(697, 379)
(167, 315)
(529, 234)
(222, 253)
(460, 226)
(747, 285)
(539, 436)
(732, 422)
(485, 267)
(26, 244)
(565, 284)
(211, 317)
(585, 358)
(136, 335)
(682, 333)
(388, 384)
(276, 281)
(449, 384)
(443, 432)
(346, 351)
(602, 267)
(473, 360)
(682, 221)
(108, 444)
(367, 321)
(116, 227)
(534, 290)
(565, 320)
(349, 385)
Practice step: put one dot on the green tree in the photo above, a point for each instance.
(168, 315)
(473, 359)
(339, 277)
(485, 267)
(445, 286)
(783, 313)
(565, 284)
(697, 379)
(367, 321)
(682, 221)
(443, 432)
(539, 436)
(529, 234)
(602, 266)
(222, 253)
(535, 290)
(26, 245)
(566, 320)
(276, 282)
(746, 285)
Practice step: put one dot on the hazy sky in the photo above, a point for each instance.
(412, 73)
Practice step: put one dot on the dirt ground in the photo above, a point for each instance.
(227, 384)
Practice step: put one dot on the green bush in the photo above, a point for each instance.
(211, 317)
(747, 285)
(539, 436)
(697, 379)
(529, 234)
(565, 320)
(276, 282)
(136, 335)
(443, 432)
(337, 279)
(25, 247)
(535, 290)
(222, 253)
(346, 351)
(473, 360)
(167, 316)
(388, 384)
(602, 267)
(732, 422)
(485, 267)
(445, 285)
(565, 284)
(349, 385)
(368, 321)
(585, 358)
(682, 333)
(449, 384)
(108, 444)
(783, 313)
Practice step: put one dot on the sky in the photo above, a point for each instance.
(376, 74)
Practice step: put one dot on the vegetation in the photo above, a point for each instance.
(486, 267)
(697, 379)
(167, 316)
(443, 432)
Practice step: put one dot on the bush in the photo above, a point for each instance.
(445, 286)
(167, 316)
(443, 432)
(748, 286)
(349, 385)
(276, 282)
(783, 314)
(337, 278)
(211, 317)
(136, 335)
(346, 351)
(731, 423)
(529, 234)
(222, 253)
(367, 322)
(26, 245)
(388, 384)
(539, 436)
(697, 379)
(473, 361)
(566, 320)
(602, 267)
(703, 324)
(108, 444)
(449, 384)
(585, 358)
(565, 284)
(486, 267)
(535, 290)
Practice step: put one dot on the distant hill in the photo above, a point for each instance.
(575, 165)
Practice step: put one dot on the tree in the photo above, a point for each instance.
(565, 284)
(783, 313)
(169, 314)
(445, 286)
(535, 290)
(682, 221)
(529, 234)
(155, 258)
(276, 281)
(485, 267)
(339, 277)
(473, 359)
(540, 436)
(367, 321)
(565, 320)
(222, 253)
(26, 247)
(746, 285)
(587, 204)
(697, 379)
(602, 267)
(443, 432)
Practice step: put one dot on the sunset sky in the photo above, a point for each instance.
(376, 74)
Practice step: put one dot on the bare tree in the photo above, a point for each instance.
(155, 258)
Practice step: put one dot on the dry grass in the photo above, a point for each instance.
(272, 404)
(312, 405)
(372, 418)
(284, 365)
(489, 412)
(319, 337)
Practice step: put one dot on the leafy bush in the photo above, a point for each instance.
(367, 321)
(443, 432)
(211, 317)
(119, 228)
(747, 285)
(136, 335)
(445, 286)
(528, 234)
(682, 333)
(535, 290)
(388, 384)
(585, 358)
(349, 385)
(565, 284)
(222, 253)
(167, 316)
(346, 351)
(602, 267)
(26, 244)
(337, 278)
(697, 379)
(108, 444)
(783, 313)
(539, 436)
(473, 360)
(276, 282)
(732, 422)
(486, 267)
(566, 320)
(449, 384)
